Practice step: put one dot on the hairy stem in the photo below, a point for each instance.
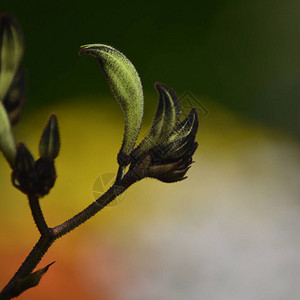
(49, 235)
(28, 265)
(38, 215)
(84, 215)
(117, 189)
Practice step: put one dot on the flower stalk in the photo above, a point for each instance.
(165, 154)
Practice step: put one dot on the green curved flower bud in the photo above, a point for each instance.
(15, 98)
(172, 158)
(126, 87)
(50, 141)
(166, 118)
(7, 140)
(11, 51)
(181, 140)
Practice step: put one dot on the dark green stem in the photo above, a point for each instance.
(47, 239)
(28, 265)
(38, 215)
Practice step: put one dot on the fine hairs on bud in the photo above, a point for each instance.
(126, 87)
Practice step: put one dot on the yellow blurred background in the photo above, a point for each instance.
(229, 231)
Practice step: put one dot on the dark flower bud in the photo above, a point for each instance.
(171, 172)
(24, 159)
(46, 174)
(24, 176)
(171, 158)
(50, 141)
(180, 143)
(31, 177)
(166, 172)
(166, 118)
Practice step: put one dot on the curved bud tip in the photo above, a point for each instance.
(89, 49)
(193, 115)
(158, 86)
(167, 92)
(50, 140)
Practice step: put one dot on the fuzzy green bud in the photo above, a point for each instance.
(11, 51)
(126, 87)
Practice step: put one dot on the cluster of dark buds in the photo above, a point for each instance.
(36, 178)
(165, 153)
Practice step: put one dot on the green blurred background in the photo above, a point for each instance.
(242, 54)
(230, 231)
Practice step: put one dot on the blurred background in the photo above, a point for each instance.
(230, 231)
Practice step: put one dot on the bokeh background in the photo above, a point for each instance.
(231, 230)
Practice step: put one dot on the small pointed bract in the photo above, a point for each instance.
(18, 286)
(11, 51)
(166, 118)
(126, 87)
(7, 140)
(50, 141)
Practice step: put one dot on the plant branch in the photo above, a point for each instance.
(47, 239)
(38, 215)
(91, 210)
(27, 266)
